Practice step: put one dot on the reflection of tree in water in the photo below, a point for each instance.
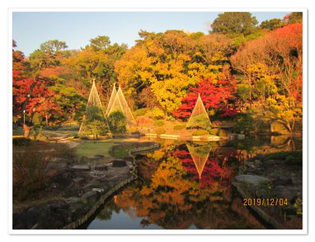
(107, 211)
(210, 167)
(173, 198)
(249, 148)
(174, 193)
(287, 143)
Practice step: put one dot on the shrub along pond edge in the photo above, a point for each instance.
(81, 190)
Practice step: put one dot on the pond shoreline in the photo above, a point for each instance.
(79, 222)
(271, 187)
(89, 187)
(84, 187)
(120, 185)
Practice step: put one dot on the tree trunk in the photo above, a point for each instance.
(27, 130)
(271, 127)
(293, 126)
(288, 127)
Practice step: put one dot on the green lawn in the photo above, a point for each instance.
(122, 152)
(92, 148)
(87, 148)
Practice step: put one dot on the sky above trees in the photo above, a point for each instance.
(30, 29)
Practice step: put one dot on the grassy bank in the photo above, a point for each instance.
(92, 148)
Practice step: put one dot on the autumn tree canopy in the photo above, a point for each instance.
(238, 68)
(216, 95)
(169, 63)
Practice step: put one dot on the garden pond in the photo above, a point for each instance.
(186, 185)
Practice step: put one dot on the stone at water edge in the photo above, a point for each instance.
(285, 192)
(78, 180)
(72, 200)
(94, 159)
(257, 162)
(251, 179)
(129, 158)
(282, 180)
(101, 167)
(88, 197)
(99, 190)
(81, 167)
(83, 159)
(119, 163)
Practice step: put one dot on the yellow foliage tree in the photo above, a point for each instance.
(169, 63)
(285, 110)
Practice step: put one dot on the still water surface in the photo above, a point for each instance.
(185, 185)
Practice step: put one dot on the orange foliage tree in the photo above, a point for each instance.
(274, 62)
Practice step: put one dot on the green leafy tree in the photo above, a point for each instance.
(271, 24)
(117, 122)
(96, 61)
(234, 23)
(50, 53)
(100, 43)
(200, 121)
(294, 17)
(70, 101)
(95, 123)
(244, 123)
(38, 60)
(53, 46)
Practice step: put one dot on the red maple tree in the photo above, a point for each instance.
(31, 96)
(281, 51)
(217, 95)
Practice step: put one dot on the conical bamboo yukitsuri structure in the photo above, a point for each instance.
(111, 100)
(117, 102)
(199, 118)
(93, 101)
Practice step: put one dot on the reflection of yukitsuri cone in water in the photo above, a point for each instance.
(199, 117)
(200, 155)
(118, 102)
(94, 102)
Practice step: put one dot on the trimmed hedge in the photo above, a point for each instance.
(21, 141)
(200, 132)
(157, 113)
(160, 131)
(179, 127)
(141, 112)
(159, 123)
